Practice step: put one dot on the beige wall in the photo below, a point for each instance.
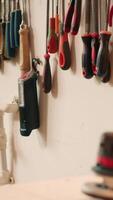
(71, 121)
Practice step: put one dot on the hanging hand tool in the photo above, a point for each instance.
(12, 18)
(86, 38)
(47, 80)
(57, 18)
(24, 44)
(28, 101)
(76, 17)
(52, 36)
(64, 49)
(1, 32)
(8, 51)
(72, 20)
(95, 34)
(17, 22)
(69, 16)
(103, 58)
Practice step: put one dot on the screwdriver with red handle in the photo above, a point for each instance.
(64, 48)
(86, 38)
(72, 20)
(103, 58)
(52, 36)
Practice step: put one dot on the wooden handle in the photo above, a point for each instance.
(24, 48)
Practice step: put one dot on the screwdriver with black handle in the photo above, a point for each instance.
(94, 34)
(86, 38)
(103, 58)
(47, 79)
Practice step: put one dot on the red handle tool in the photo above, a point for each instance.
(69, 16)
(76, 17)
(64, 49)
(52, 37)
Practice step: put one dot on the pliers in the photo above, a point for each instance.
(72, 20)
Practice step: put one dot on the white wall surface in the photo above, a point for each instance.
(71, 122)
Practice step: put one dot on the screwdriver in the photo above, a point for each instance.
(76, 17)
(64, 48)
(47, 79)
(57, 18)
(95, 34)
(86, 38)
(103, 57)
(52, 36)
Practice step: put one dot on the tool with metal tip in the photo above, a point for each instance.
(94, 34)
(12, 19)
(69, 16)
(47, 80)
(103, 58)
(52, 36)
(86, 38)
(9, 52)
(1, 33)
(76, 17)
(57, 18)
(17, 22)
(64, 48)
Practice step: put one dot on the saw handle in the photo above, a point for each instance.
(103, 58)
(24, 48)
(86, 56)
(68, 18)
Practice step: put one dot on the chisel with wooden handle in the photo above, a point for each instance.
(86, 38)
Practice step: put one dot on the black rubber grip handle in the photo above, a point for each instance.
(95, 47)
(76, 17)
(47, 80)
(86, 56)
(68, 18)
(103, 58)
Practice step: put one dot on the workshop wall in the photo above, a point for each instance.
(73, 116)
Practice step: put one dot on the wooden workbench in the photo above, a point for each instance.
(63, 189)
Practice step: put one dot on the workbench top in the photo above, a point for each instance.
(63, 189)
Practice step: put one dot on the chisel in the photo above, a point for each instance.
(64, 48)
(47, 79)
(86, 38)
(94, 34)
(103, 58)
